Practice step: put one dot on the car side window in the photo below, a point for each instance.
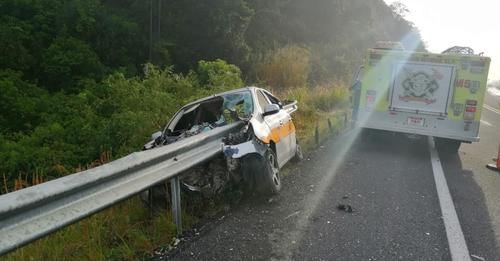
(273, 99)
(262, 100)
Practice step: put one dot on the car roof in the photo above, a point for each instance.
(249, 88)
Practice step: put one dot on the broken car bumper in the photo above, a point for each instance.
(242, 149)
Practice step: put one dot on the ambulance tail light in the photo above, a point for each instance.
(470, 110)
(371, 96)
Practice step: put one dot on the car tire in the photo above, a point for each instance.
(268, 177)
(250, 166)
(447, 146)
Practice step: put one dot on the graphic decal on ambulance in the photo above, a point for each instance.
(420, 86)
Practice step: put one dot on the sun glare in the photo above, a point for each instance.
(315, 197)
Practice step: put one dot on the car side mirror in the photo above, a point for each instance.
(271, 109)
(155, 135)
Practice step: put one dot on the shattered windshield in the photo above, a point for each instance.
(215, 112)
(237, 106)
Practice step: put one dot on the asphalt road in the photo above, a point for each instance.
(476, 189)
(388, 181)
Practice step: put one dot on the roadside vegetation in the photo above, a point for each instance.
(86, 82)
(130, 230)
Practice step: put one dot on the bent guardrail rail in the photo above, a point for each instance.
(33, 212)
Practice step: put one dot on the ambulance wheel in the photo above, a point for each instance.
(447, 146)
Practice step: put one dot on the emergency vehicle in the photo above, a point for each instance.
(439, 95)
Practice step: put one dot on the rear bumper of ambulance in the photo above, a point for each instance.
(433, 126)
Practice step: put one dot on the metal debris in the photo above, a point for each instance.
(345, 207)
(478, 257)
(293, 214)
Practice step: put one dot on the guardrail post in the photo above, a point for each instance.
(150, 201)
(345, 120)
(316, 135)
(176, 203)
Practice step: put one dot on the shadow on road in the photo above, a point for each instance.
(387, 179)
(471, 208)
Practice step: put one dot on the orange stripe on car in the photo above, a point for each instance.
(280, 132)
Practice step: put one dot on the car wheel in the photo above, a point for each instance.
(269, 180)
(250, 165)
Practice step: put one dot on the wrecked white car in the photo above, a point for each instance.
(251, 156)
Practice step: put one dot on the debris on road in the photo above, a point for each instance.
(496, 165)
(292, 215)
(478, 257)
(345, 207)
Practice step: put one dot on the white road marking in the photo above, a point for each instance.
(456, 240)
(488, 107)
(486, 123)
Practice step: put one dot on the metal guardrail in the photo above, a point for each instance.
(33, 212)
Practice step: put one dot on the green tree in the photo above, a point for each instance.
(21, 103)
(218, 75)
(68, 60)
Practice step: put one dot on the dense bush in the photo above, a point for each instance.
(53, 134)
(286, 67)
(218, 75)
(73, 82)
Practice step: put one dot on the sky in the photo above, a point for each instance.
(446, 23)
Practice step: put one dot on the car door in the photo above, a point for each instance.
(284, 128)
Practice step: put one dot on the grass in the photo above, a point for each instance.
(127, 231)
(316, 106)
(123, 232)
